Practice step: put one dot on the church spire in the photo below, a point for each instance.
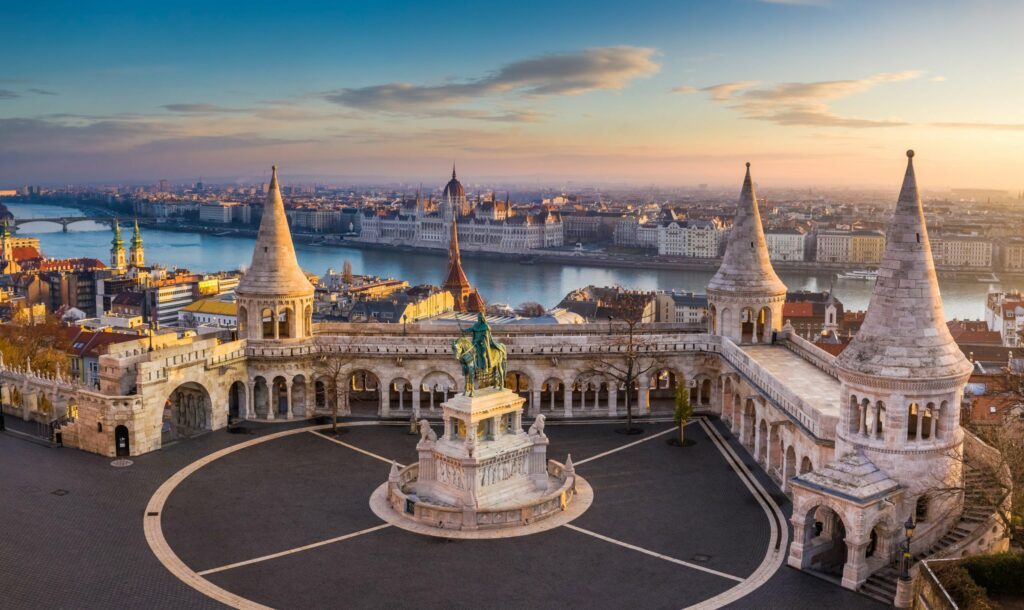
(904, 334)
(136, 236)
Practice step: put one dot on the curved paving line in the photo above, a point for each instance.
(778, 541)
(155, 535)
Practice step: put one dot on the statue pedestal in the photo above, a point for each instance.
(483, 473)
(484, 458)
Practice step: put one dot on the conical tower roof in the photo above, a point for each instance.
(274, 271)
(904, 334)
(746, 268)
(456, 278)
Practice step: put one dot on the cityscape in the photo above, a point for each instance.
(638, 314)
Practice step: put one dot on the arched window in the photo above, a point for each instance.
(856, 415)
(879, 426)
(269, 324)
(913, 422)
(928, 421)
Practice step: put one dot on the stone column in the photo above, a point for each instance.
(538, 463)
(271, 398)
(644, 395)
(613, 399)
(534, 401)
(250, 400)
(288, 399)
(855, 572)
(416, 401)
(385, 400)
(567, 400)
(796, 548)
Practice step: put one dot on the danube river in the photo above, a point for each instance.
(498, 282)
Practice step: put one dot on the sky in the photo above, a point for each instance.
(811, 92)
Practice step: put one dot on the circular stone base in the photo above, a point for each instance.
(580, 503)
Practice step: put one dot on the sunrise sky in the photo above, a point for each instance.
(827, 92)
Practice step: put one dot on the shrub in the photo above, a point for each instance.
(967, 594)
(1000, 574)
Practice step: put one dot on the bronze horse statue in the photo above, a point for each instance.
(466, 354)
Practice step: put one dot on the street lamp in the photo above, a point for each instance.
(905, 568)
(610, 318)
(405, 321)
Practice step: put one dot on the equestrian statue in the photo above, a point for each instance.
(482, 358)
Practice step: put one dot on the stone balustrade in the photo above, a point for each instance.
(809, 352)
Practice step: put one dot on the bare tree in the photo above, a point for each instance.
(337, 365)
(628, 357)
(346, 272)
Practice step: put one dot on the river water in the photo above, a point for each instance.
(498, 282)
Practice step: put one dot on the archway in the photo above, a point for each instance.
(747, 320)
(300, 400)
(747, 436)
(121, 445)
(268, 323)
(236, 400)
(824, 541)
(279, 397)
(437, 387)
(727, 393)
(188, 411)
(260, 397)
(364, 393)
(552, 395)
(519, 383)
(712, 319)
(806, 465)
(285, 320)
(662, 395)
(399, 394)
(790, 470)
(764, 325)
(705, 393)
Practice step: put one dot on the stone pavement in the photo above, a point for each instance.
(86, 548)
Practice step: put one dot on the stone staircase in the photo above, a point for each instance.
(882, 584)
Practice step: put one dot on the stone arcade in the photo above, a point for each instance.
(862, 442)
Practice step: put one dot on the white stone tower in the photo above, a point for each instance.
(745, 296)
(275, 300)
(118, 260)
(903, 376)
(136, 254)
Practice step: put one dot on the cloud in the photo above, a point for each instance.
(685, 89)
(938, 79)
(199, 108)
(606, 68)
(42, 92)
(7, 94)
(805, 104)
(988, 126)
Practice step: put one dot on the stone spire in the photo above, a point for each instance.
(118, 260)
(746, 268)
(136, 255)
(456, 279)
(136, 236)
(117, 242)
(904, 334)
(274, 270)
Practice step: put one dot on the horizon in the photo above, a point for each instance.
(650, 94)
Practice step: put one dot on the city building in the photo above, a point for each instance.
(1004, 313)
(214, 311)
(962, 252)
(858, 247)
(786, 244)
(681, 307)
(690, 238)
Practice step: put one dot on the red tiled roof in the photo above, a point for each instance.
(21, 253)
(798, 309)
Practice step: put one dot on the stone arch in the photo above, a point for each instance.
(775, 451)
(705, 392)
(878, 424)
(944, 420)
(237, 401)
(921, 508)
(748, 321)
(300, 396)
(307, 319)
(437, 386)
(588, 389)
(188, 411)
(242, 320)
(552, 394)
(399, 394)
(279, 396)
(662, 393)
(324, 393)
(268, 323)
(522, 384)
(824, 540)
(712, 319)
(261, 397)
(762, 442)
(727, 397)
(364, 393)
(913, 421)
(790, 469)
(928, 422)
(806, 465)
(724, 321)
(748, 423)
(285, 322)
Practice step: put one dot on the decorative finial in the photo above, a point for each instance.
(273, 168)
(748, 164)
(453, 170)
(910, 154)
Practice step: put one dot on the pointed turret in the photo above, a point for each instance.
(746, 267)
(274, 270)
(117, 242)
(904, 334)
(136, 255)
(745, 296)
(136, 235)
(118, 260)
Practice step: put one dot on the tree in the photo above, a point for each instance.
(628, 357)
(336, 365)
(45, 346)
(346, 272)
(683, 409)
(531, 309)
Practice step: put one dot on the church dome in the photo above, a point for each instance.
(454, 190)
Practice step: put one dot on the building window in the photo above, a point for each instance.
(921, 509)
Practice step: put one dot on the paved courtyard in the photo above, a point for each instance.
(286, 523)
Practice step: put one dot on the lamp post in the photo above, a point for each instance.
(405, 322)
(905, 567)
(610, 319)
